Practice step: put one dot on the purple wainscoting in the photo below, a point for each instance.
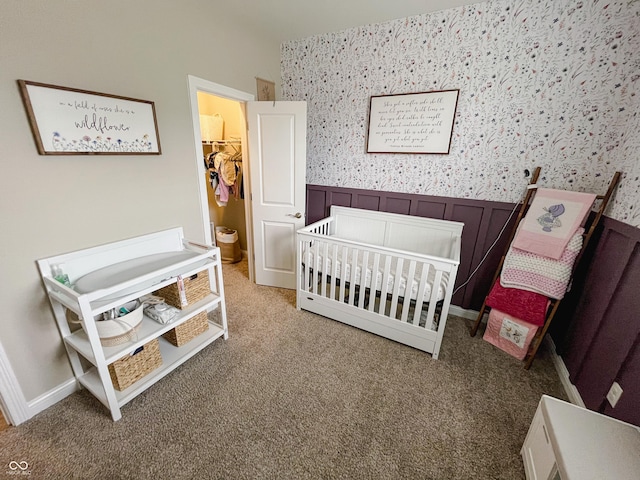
(602, 338)
(597, 328)
(629, 379)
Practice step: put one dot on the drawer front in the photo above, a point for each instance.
(537, 452)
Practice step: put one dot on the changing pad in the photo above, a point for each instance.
(121, 272)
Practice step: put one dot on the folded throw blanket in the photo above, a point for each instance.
(509, 334)
(523, 304)
(536, 273)
(551, 221)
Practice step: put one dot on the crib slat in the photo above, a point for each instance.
(374, 281)
(352, 280)
(316, 267)
(325, 266)
(385, 285)
(334, 270)
(396, 287)
(363, 278)
(408, 290)
(433, 300)
(305, 250)
(343, 270)
(420, 296)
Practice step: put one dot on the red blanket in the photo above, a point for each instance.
(523, 304)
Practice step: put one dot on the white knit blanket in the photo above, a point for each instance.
(528, 271)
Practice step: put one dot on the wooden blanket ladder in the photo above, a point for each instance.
(590, 226)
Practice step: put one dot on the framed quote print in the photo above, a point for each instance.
(412, 122)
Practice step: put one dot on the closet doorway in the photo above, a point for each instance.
(221, 125)
(273, 140)
(224, 130)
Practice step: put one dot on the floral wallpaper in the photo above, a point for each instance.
(549, 83)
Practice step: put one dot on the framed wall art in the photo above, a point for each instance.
(266, 90)
(68, 121)
(412, 122)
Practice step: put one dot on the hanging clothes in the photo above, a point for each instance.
(226, 168)
(225, 175)
(238, 190)
(213, 173)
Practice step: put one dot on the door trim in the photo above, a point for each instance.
(196, 85)
(14, 406)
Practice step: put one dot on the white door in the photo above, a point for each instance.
(278, 162)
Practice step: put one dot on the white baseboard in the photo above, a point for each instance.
(558, 363)
(462, 312)
(52, 397)
(563, 373)
(14, 405)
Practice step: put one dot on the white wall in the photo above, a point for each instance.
(56, 204)
(550, 83)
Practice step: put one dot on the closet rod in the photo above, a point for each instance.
(223, 142)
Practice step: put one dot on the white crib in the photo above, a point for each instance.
(388, 274)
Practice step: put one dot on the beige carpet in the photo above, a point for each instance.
(293, 395)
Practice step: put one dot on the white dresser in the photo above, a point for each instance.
(572, 443)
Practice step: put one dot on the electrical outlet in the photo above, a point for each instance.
(614, 394)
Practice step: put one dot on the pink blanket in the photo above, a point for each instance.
(536, 273)
(551, 221)
(509, 333)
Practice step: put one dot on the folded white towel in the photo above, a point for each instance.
(156, 309)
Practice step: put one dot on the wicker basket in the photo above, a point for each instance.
(131, 368)
(186, 291)
(229, 244)
(188, 330)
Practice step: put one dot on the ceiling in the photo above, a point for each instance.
(285, 20)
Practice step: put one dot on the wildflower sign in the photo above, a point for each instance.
(67, 121)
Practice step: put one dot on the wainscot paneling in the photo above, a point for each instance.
(597, 328)
(628, 406)
(601, 343)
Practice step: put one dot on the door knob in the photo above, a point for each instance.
(296, 215)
